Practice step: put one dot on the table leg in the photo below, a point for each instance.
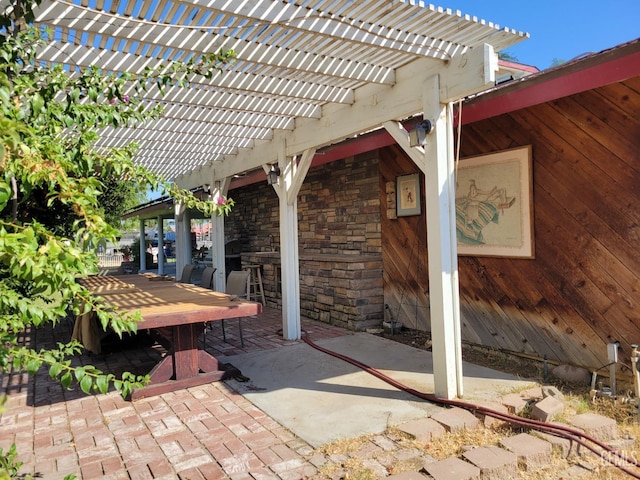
(185, 366)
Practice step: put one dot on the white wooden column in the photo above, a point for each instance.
(464, 75)
(442, 246)
(183, 237)
(292, 175)
(143, 249)
(160, 245)
(220, 188)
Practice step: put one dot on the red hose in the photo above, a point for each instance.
(569, 433)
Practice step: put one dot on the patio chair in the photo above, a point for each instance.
(187, 271)
(206, 280)
(237, 284)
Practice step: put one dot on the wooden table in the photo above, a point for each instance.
(177, 312)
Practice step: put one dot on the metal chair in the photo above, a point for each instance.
(187, 271)
(237, 284)
(206, 280)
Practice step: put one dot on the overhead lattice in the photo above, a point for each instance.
(293, 58)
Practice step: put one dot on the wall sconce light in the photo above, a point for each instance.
(272, 176)
(418, 134)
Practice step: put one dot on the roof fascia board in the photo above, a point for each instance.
(373, 106)
(611, 66)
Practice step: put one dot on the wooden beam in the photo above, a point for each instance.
(373, 106)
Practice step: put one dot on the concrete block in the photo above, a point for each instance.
(423, 430)
(488, 420)
(456, 419)
(558, 442)
(532, 452)
(452, 469)
(551, 391)
(532, 394)
(571, 374)
(514, 402)
(408, 476)
(598, 426)
(547, 409)
(495, 463)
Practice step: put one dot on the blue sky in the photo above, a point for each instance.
(559, 29)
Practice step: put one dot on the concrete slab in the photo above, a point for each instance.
(334, 399)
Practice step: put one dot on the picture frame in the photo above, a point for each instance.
(494, 204)
(408, 199)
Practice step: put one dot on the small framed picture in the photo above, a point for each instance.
(408, 195)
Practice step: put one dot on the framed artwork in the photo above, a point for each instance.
(408, 195)
(494, 204)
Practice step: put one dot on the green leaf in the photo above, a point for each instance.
(55, 370)
(5, 188)
(102, 383)
(66, 380)
(85, 384)
(37, 103)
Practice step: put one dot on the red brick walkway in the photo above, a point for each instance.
(206, 432)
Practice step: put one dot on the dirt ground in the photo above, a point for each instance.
(492, 358)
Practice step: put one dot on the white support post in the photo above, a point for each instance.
(160, 245)
(291, 178)
(442, 246)
(219, 189)
(143, 247)
(183, 237)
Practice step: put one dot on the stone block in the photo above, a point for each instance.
(423, 430)
(514, 402)
(532, 394)
(571, 374)
(495, 463)
(408, 476)
(547, 409)
(488, 420)
(456, 419)
(551, 391)
(452, 469)
(598, 426)
(532, 452)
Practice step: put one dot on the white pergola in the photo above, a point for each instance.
(307, 74)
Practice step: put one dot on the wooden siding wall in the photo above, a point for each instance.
(582, 290)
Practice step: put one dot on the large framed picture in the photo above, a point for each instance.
(408, 195)
(494, 204)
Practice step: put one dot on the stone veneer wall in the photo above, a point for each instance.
(339, 241)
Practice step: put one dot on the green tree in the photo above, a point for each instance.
(53, 188)
(507, 56)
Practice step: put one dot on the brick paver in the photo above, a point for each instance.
(207, 432)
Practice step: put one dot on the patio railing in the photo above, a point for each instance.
(114, 260)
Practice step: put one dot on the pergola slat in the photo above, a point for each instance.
(294, 59)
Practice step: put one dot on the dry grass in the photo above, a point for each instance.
(345, 458)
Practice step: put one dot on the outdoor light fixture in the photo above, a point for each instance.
(272, 176)
(418, 134)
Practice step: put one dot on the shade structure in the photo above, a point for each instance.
(298, 64)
